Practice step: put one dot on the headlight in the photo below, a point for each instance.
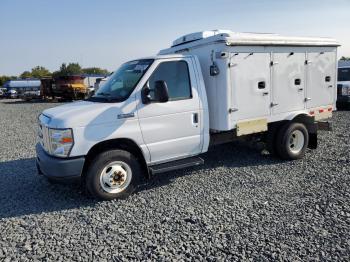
(61, 141)
(345, 91)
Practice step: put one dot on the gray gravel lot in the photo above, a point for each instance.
(240, 205)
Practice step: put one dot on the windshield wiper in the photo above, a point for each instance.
(103, 94)
(103, 99)
(97, 99)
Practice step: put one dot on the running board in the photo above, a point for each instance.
(178, 164)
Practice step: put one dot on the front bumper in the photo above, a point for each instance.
(58, 168)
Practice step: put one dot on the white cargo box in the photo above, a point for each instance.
(254, 79)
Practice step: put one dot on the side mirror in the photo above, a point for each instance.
(161, 91)
(146, 94)
(158, 94)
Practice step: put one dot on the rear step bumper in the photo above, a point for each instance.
(178, 164)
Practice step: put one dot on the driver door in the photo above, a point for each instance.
(171, 130)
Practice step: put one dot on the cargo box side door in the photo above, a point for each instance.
(250, 85)
(320, 71)
(288, 82)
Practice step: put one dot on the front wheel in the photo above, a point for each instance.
(113, 174)
(292, 141)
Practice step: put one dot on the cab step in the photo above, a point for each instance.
(177, 164)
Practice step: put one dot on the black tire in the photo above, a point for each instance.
(284, 136)
(95, 169)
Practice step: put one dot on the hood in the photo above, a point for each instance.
(83, 113)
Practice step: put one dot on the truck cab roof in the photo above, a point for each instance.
(167, 56)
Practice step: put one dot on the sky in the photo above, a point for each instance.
(106, 33)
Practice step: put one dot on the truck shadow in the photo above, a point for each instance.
(23, 192)
(231, 155)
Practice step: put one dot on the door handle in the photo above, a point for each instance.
(300, 89)
(265, 93)
(307, 99)
(273, 104)
(330, 86)
(195, 119)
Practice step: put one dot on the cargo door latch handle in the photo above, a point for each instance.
(231, 110)
(273, 104)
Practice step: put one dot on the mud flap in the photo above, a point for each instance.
(324, 125)
(312, 140)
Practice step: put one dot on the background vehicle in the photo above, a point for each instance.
(69, 87)
(30, 93)
(24, 88)
(160, 113)
(3, 92)
(12, 94)
(343, 98)
(92, 81)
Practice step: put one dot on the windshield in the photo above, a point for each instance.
(344, 74)
(121, 83)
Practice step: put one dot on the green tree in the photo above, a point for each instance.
(25, 75)
(36, 72)
(39, 72)
(63, 70)
(74, 69)
(68, 70)
(344, 58)
(95, 70)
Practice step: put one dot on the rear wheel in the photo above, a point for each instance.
(292, 140)
(113, 174)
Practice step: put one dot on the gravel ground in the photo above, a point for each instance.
(240, 205)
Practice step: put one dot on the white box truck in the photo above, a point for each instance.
(161, 113)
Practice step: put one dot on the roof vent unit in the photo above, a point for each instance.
(198, 36)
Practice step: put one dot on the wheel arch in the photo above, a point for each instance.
(118, 143)
(301, 117)
(311, 126)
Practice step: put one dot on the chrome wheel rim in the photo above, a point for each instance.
(296, 141)
(115, 177)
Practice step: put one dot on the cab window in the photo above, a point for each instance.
(176, 76)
